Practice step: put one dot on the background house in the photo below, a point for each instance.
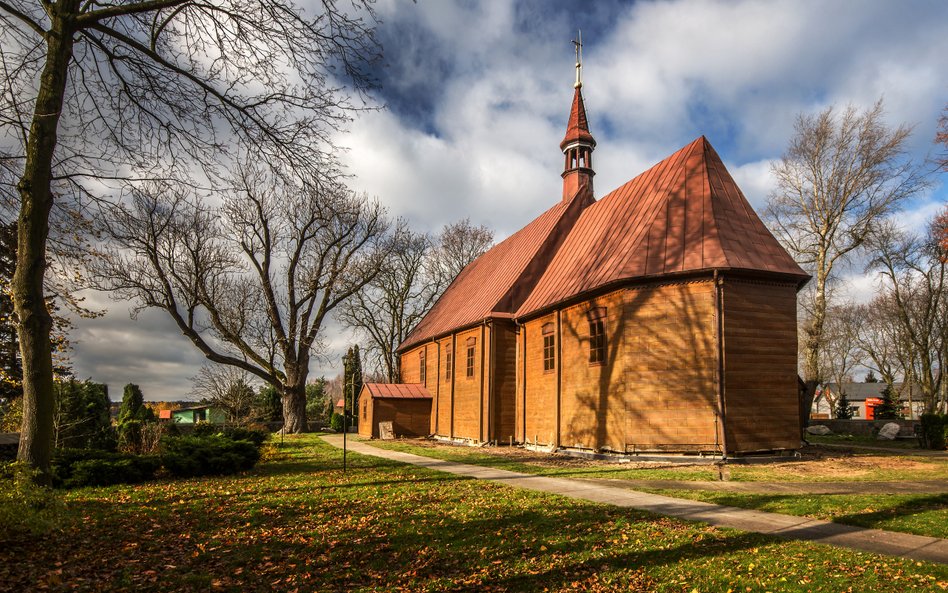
(195, 414)
(863, 397)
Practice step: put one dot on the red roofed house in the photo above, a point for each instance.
(407, 407)
(661, 317)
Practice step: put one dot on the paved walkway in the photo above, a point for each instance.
(916, 547)
(785, 488)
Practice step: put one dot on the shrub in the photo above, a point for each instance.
(187, 456)
(24, 505)
(75, 468)
(335, 422)
(255, 434)
(934, 429)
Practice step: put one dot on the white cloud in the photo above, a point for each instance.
(494, 87)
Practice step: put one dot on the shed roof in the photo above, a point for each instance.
(684, 214)
(396, 390)
(497, 282)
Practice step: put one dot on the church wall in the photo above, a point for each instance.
(504, 381)
(411, 366)
(655, 388)
(467, 390)
(537, 402)
(443, 395)
(760, 377)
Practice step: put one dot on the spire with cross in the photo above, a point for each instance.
(578, 42)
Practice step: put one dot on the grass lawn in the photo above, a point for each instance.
(824, 466)
(296, 523)
(921, 514)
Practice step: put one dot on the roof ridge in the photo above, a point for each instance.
(525, 283)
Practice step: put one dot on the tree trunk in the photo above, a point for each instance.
(36, 200)
(294, 407)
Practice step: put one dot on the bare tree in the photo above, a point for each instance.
(416, 273)
(941, 137)
(840, 352)
(228, 388)
(841, 173)
(250, 282)
(915, 287)
(98, 94)
(387, 309)
(459, 244)
(879, 338)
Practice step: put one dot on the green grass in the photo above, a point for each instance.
(296, 523)
(844, 468)
(921, 514)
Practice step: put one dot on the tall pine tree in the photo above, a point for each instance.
(352, 380)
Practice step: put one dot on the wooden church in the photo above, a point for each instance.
(660, 317)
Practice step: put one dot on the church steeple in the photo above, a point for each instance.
(578, 144)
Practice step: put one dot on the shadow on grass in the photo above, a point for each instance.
(908, 508)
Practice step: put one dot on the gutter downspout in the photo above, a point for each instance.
(719, 335)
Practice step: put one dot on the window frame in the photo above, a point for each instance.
(422, 366)
(549, 348)
(469, 362)
(448, 362)
(597, 335)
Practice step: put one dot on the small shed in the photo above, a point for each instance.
(406, 406)
(195, 414)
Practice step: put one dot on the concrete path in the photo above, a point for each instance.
(916, 547)
(785, 488)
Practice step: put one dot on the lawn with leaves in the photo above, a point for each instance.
(921, 514)
(296, 523)
(819, 465)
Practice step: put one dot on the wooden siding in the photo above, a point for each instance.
(538, 404)
(655, 390)
(409, 417)
(411, 369)
(504, 381)
(760, 376)
(467, 390)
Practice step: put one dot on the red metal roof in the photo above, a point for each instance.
(578, 126)
(684, 214)
(497, 282)
(397, 390)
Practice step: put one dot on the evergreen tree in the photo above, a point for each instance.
(269, 406)
(870, 377)
(81, 417)
(316, 397)
(133, 406)
(890, 408)
(843, 409)
(352, 379)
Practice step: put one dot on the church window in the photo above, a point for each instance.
(470, 357)
(448, 362)
(549, 348)
(597, 335)
(421, 367)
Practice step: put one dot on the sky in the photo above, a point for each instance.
(476, 97)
